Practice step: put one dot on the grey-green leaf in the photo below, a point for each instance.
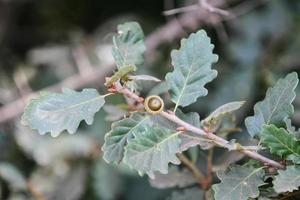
(287, 180)
(128, 45)
(192, 69)
(121, 133)
(281, 143)
(276, 106)
(213, 119)
(292, 129)
(152, 150)
(56, 112)
(239, 183)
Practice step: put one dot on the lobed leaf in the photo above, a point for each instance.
(287, 180)
(56, 112)
(276, 106)
(121, 133)
(239, 183)
(128, 45)
(281, 143)
(151, 150)
(192, 69)
(216, 115)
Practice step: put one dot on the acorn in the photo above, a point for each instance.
(154, 104)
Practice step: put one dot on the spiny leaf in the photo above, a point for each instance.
(56, 112)
(239, 183)
(194, 193)
(128, 45)
(281, 142)
(215, 116)
(121, 133)
(152, 150)
(192, 69)
(275, 107)
(287, 180)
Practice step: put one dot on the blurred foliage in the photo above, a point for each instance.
(39, 38)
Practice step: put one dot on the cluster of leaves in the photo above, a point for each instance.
(149, 143)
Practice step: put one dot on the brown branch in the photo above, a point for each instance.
(190, 21)
(201, 179)
(208, 135)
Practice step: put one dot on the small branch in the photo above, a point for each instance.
(213, 9)
(210, 166)
(208, 135)
(202, 4)
(201, 179)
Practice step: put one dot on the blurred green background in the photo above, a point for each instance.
(49, 44)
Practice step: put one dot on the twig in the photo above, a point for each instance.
(213, 9)
(164, 34)
(201, 179)
(210, 166)
(202, 4)
(216, 139)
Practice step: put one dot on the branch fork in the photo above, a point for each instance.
(182, 125)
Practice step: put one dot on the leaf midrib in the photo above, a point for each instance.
(276, 105)
(291, 150)
(77, 105)
(184, 86)
(243, 180)
(158, 144)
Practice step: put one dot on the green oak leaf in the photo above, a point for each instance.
(281, 143)
(56, 112)
(192, 69)
(152, 150)
(128, 45)
(239, 183)
(121, 133)
(276, 106)
(287, 180)
(213, 119)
